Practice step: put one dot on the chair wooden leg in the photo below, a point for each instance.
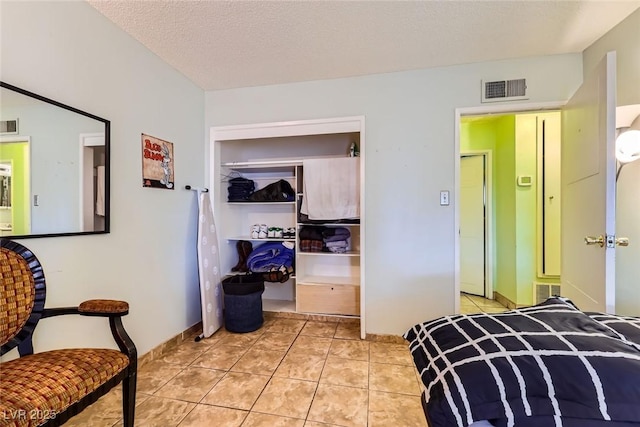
(129, 396)
(129, 383)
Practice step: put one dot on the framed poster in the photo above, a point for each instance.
(157, 163)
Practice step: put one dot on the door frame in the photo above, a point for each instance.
(489, 237)
(478, 111)
(325, 126)
(86, 173)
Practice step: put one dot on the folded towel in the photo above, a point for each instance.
(335, 231)
(335, 234)
(331, 188)
(337, 244)
(240, 189)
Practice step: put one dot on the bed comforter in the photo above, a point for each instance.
(546, 365)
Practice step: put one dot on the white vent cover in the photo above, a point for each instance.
(542, 291)
(9, 126)
(504, 90)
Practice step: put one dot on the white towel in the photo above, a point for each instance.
(100, 191)
(331, 188)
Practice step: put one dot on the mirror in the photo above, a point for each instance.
(54, 167)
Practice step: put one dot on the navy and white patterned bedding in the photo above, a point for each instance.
(546, 365)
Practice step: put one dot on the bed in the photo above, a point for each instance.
(545, 365)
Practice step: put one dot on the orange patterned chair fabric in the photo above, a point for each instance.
(47, 383)
(48, 388)
(18, 293)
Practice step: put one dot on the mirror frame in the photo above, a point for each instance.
(107, 164)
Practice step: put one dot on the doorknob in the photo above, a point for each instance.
(590, 240)
(622, 241)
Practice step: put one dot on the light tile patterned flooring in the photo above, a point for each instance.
(289, 373)
(471, 304)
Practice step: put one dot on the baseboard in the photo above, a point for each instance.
(312, 317)
(504, 301)
(195, 330)
(391, 339)
(156, 352)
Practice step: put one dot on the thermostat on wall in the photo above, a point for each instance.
(525, 181)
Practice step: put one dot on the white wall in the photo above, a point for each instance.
(625, 40)
(69, 52)
(55, 152)
(409, 159)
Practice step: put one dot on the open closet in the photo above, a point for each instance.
(310, 156)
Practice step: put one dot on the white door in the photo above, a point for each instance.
(472, 225)
(588, 191)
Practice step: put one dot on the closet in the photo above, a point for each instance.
(323, 283)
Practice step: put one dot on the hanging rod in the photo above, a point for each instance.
(204, 190)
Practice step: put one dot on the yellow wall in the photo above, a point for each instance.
(17, 153)
(513, 140)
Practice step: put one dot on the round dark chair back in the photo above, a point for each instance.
(22, 296)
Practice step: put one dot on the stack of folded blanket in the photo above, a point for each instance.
(311, 239)
(273, 257)
(324, 239)
(240, 189)
(336, 239)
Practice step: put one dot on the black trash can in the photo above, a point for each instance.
(243, 302)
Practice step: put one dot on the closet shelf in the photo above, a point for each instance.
(261, 203)
(346, 254)
(329, 280)
(240, 273)
(268, 239)
(264, 166)
(330, 224)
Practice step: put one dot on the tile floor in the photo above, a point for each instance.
(470, 304)
(289, 373)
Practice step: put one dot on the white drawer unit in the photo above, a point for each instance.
(322, 298)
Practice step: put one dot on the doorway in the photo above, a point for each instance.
(15, 208)
(512, 244)
(92, 181)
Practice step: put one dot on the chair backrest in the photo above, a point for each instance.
(22, 295)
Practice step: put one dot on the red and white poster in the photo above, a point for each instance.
(157, 163)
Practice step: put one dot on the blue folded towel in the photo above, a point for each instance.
(335, 234)
(270, 256)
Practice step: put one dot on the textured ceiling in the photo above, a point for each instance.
(229, 44)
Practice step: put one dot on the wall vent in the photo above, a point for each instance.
(9, 127)
(542, 291)
(504, 90)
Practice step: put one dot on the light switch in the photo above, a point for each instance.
(444, 198)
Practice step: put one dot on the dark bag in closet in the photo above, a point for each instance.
(279, 191)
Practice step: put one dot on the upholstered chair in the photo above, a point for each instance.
(50, 387)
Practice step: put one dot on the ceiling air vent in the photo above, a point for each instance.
(9, 126)
(504, 90)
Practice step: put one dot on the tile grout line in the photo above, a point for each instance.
(297, 334)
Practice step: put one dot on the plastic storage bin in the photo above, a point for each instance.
(243, 302)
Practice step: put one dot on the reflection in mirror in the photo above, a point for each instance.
(54, 167)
